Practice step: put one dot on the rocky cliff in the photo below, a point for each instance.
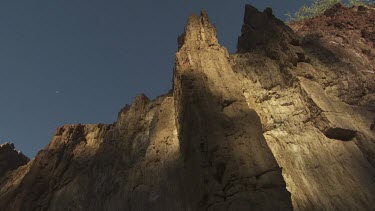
(10, 159)
(287, 122)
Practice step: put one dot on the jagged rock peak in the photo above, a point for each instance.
(199, 32)
(7, 145)
(263, 31)
(10, 158)
(141, 98)
(239, 131)
(263, 28)
(138, 101)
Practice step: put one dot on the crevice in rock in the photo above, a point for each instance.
(340, 134)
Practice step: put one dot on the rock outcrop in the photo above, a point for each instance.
(286, 122)
(130, 165)
(316, 115)
(222, 145)
(10, 159)
(262, 30)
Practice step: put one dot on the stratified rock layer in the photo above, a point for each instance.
(285, 123)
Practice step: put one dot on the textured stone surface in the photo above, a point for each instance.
(10, 159)
(130, 165)
(287, 122)
(225, 154)
(316, 118)
(261, 30)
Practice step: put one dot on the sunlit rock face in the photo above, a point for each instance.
(316, 113)
(228, 164)
(132, 164)
(285, 123)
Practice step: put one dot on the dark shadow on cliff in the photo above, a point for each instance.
(228, 162)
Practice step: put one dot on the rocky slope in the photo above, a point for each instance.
(287, 122)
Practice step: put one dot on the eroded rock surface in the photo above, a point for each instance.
(223, 148)
(316, 117)
(286, 122)
(130, 165)
(10, 158)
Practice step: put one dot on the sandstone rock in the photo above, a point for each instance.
(352, 61)
(331, 117)
(10, 159)
(130, 165)
(279, 125)
(227, 160)
(261, 30)
(317, 122)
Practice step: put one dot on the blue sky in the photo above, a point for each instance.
(81, 61)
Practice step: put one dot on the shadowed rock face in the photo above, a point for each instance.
(340, 134)
(261, 30)
(225, 155)
(10, 159)
(285, 123)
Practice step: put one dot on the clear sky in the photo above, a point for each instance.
(81, 61)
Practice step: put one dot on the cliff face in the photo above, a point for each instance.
(285, 123)
(10, 159)
(222, 146)
(130, 165)
(317, 112)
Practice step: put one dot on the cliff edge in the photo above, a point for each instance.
(285, 123)
(10, 159)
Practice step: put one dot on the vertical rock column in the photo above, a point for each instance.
(227, 162)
